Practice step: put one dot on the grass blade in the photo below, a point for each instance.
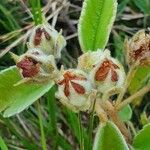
(3, 146)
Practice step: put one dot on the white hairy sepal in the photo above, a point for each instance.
(51, 47)
(107, 84)
(47, 61)
(75, 101)
(87, 61)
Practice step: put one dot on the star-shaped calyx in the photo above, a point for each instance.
(69, 78)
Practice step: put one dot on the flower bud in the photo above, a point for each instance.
(74, 89)
(88, 60)
(108, 73)
(47, 39)
(138, 48)
(35, 65)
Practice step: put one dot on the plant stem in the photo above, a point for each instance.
(141, 92)
(43, 140)
(111, 111)
(100, 112)
(128, 80)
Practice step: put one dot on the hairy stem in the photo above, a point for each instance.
(100, 112)
(112, 113)
(141, 92)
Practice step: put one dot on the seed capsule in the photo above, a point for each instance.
(138, 48)
(47, 39)
(108, 73)
(35, 65)
(74, 89)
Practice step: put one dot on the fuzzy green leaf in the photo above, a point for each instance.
(142, 139)
(14, 99)
(125, 113)
(109, 137)
(140, 77)
(95, 24)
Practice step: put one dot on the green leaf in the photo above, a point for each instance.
(95, 24)
(14, 99)
(109, 137)
(142, 139)
(139, 81)
(143, 5)
(126, 113)
(141, 75)
(3, 146)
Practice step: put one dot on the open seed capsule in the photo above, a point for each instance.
(74, 89)
(108, 73)
(35, 65)
(138, 48)
(47, 39)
